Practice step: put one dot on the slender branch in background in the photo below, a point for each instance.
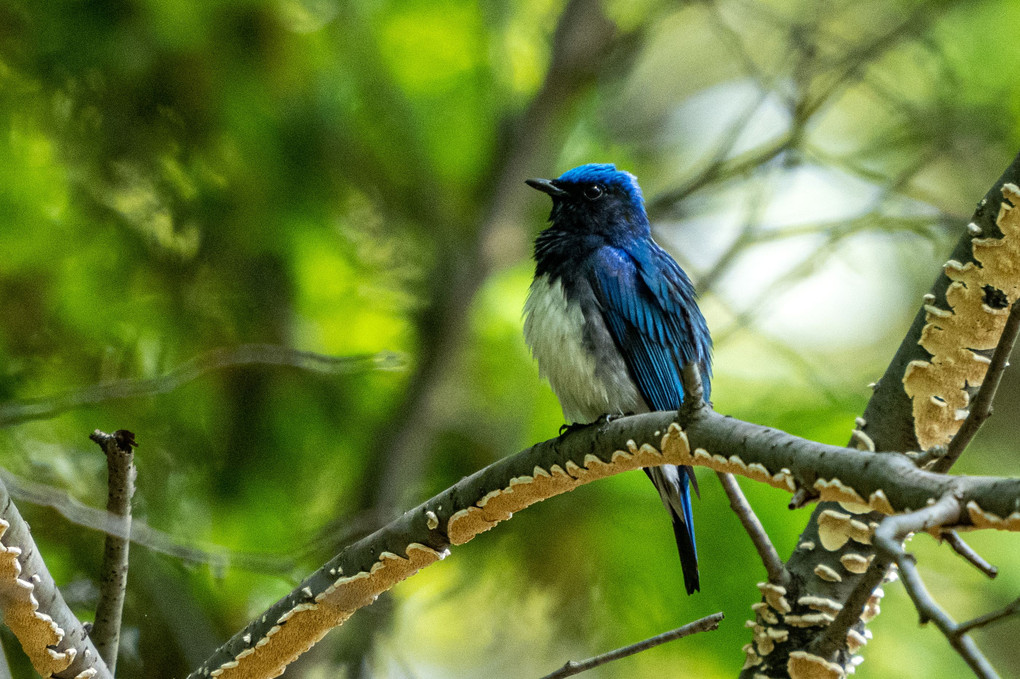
(216, 557)
(888, 541)
(777, 575)
(757, 202)
(722, 170)
(968, 553)
(1006, 611)
(583, 38)
(120, 460)
(738, 46)
(981, 407)
(804, 109)
(834, 233)
(706, 624)
(16, 412)
(760, 304)
(874, 221)
(847, 70)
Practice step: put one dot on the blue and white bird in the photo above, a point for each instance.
(612, 319)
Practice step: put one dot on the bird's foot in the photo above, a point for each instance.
(604, 421)
(601, 423)
(572, 427)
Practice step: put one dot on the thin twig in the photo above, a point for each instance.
(853, 61)
(218, 558)
(720, 170)
(120, 459)
(926, 458)
(988, 618)
(16, 412)
(766, 550)
(968, 553)
(801, 497)
(888, 540)
(706, 624)
(981, 408)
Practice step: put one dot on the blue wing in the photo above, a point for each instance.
(649, 306)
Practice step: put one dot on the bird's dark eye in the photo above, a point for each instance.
(593, 192)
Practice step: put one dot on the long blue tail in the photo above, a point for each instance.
(674, 486)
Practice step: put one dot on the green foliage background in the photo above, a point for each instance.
(347, 178)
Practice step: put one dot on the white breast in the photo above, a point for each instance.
(555, 331)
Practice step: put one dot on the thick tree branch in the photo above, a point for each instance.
(891, 483)
(32, 607)
(838, 582)
(571, 668)
(889, 415)
(120, 459)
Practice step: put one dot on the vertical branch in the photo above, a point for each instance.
(981, 408)
(120, 459)
(889, 424)
(774, 569)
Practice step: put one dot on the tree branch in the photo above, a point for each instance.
(842, 577)
(32, 607)
(1006, 611)
(889, 538)
(120, 459)
(968, 553)
(571, 668)
(777, 575)
(981, 408)
(16, 412)
(422, 536)
(140, 533)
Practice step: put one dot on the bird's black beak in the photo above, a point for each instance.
(546, 186)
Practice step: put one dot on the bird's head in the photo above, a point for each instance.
(596, 198)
